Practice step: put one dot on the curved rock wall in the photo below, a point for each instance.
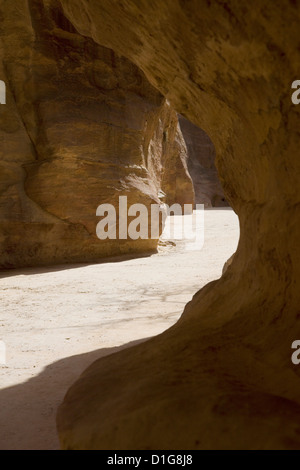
(222, 377)
(82, 126)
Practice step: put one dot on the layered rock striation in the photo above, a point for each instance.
(81, 127)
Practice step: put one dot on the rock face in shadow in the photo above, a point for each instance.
(201, 166)
(222, 377)
(81, 127)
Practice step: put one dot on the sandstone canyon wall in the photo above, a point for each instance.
(222, 377)
(82, 126)
(201, 165)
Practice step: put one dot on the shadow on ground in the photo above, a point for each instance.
(28, 410)
(61, 267)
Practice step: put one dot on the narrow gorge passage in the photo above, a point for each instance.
(67, 316)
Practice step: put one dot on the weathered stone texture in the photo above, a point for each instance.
(222, 377)
(82, 126)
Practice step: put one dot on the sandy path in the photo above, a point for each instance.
(56, 321)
